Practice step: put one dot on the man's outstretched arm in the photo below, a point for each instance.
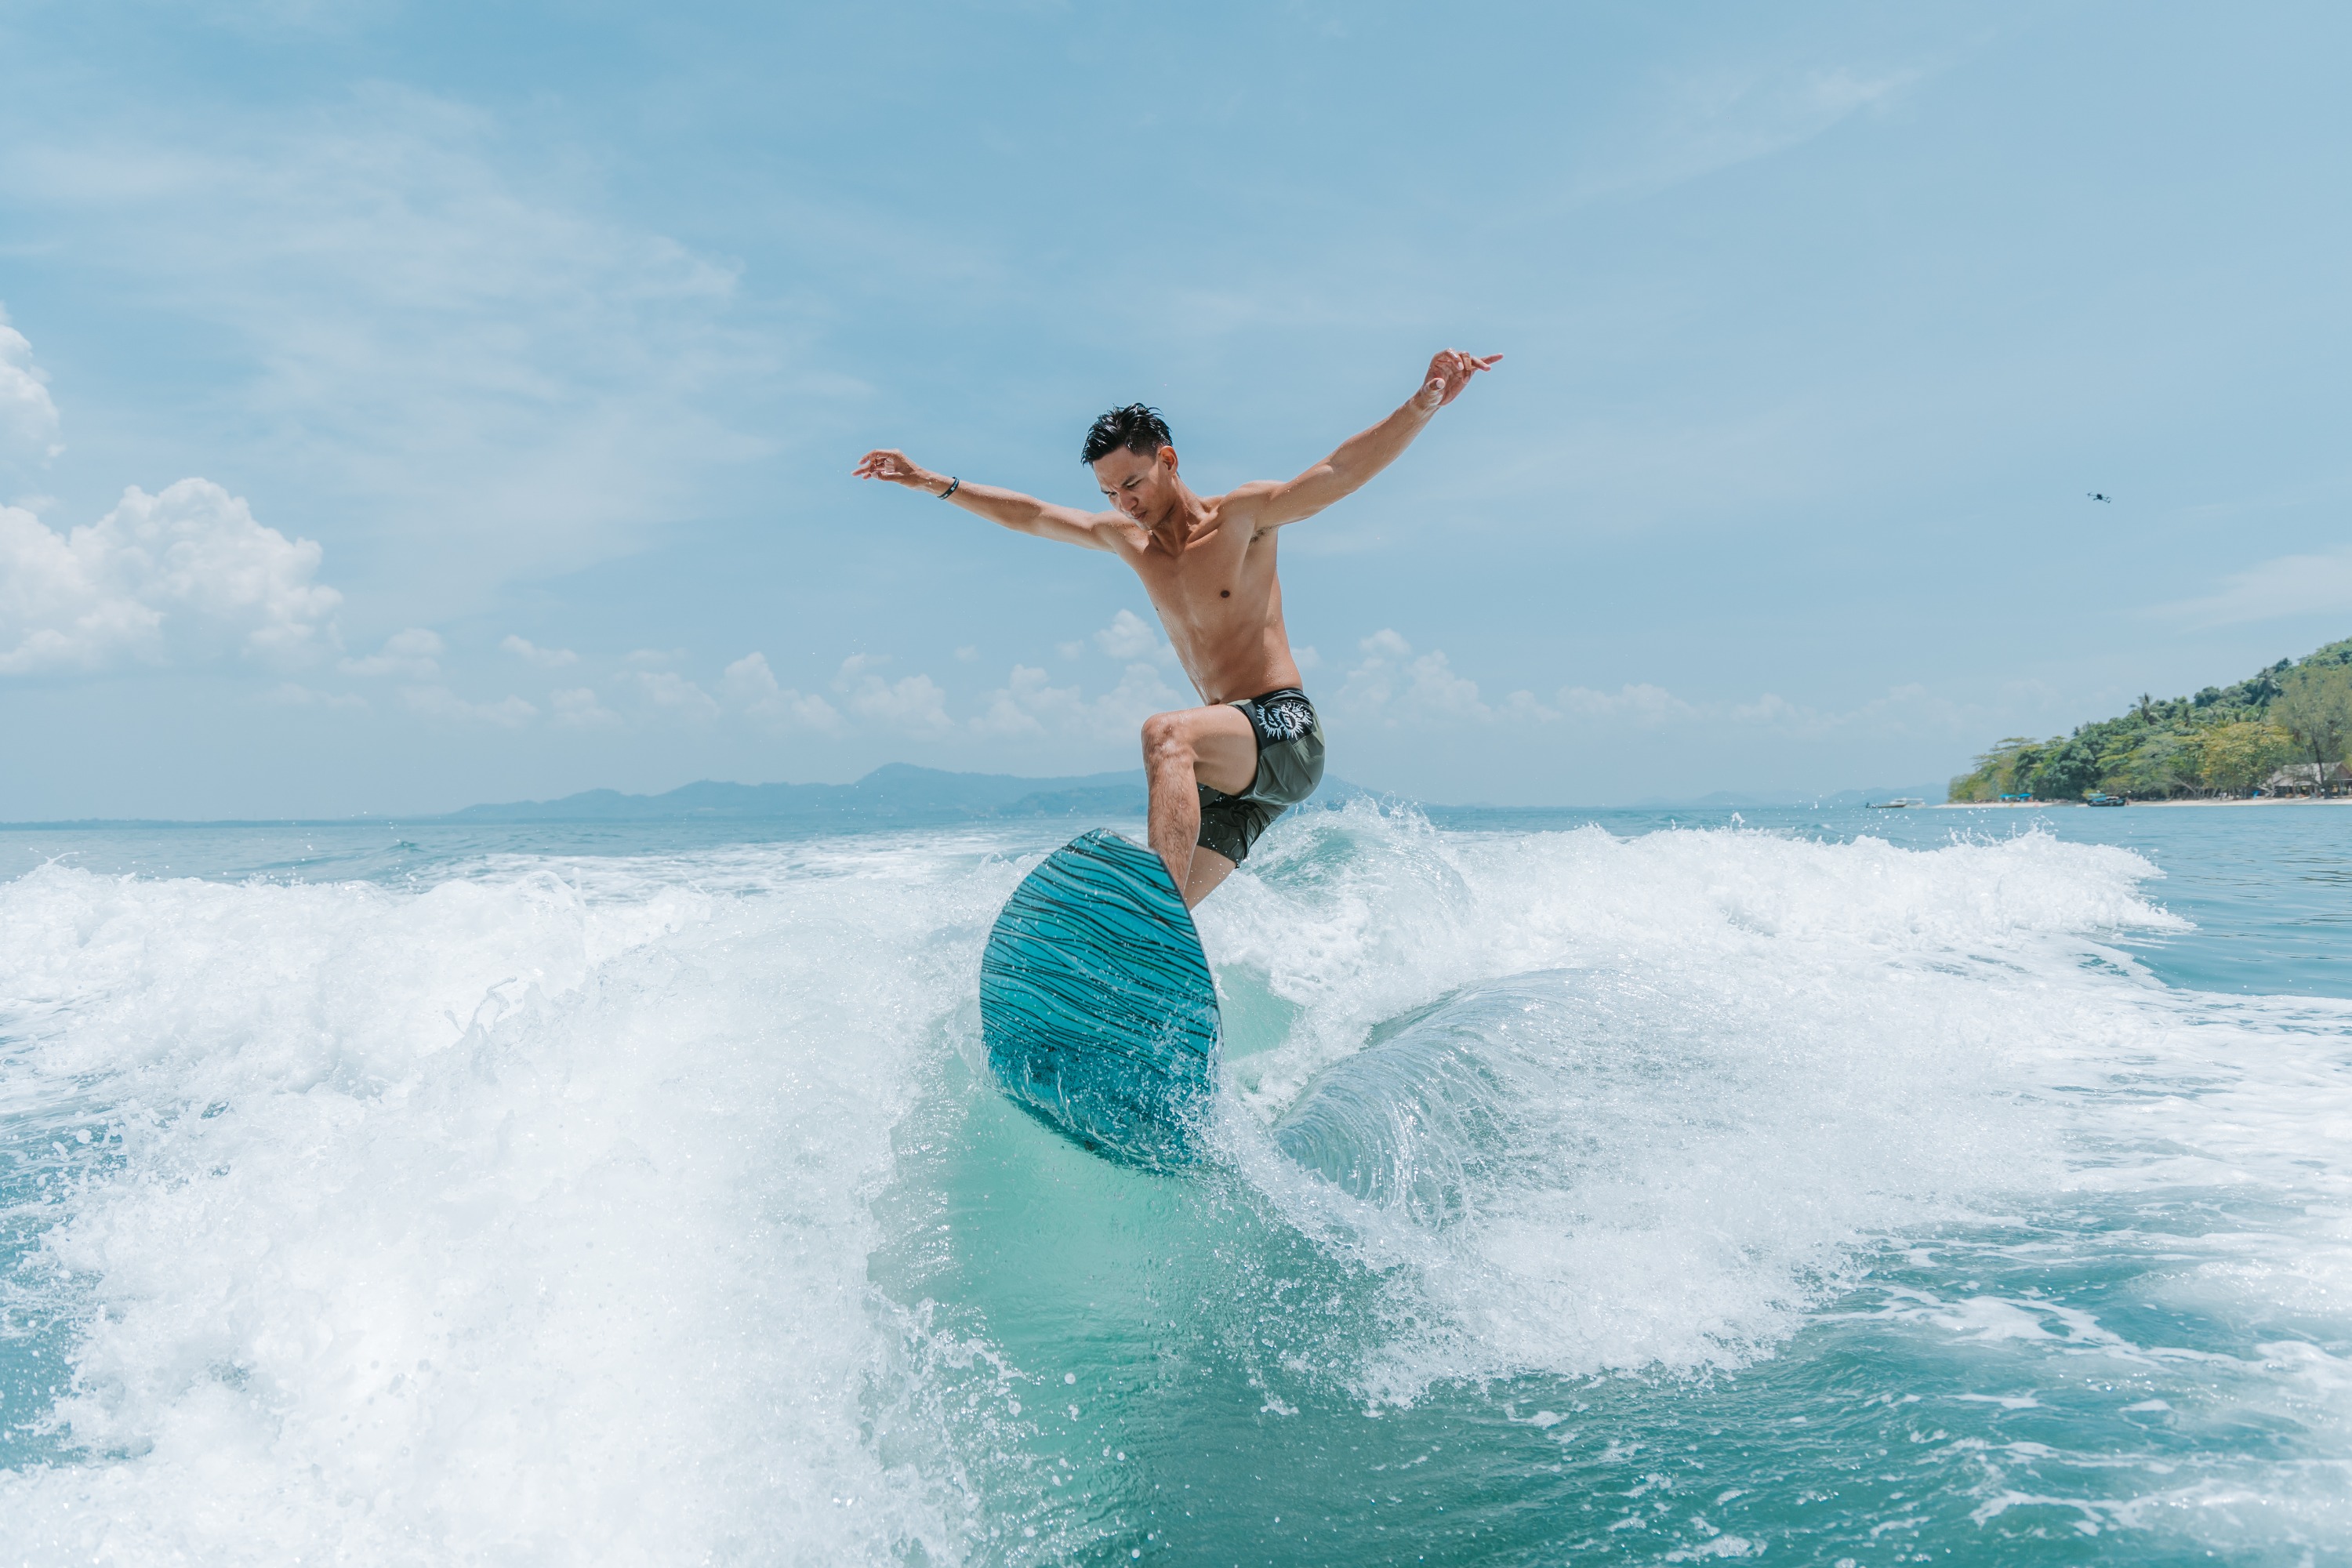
(1362, 456)
(1010, 509)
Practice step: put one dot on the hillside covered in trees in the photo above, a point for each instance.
(2225, 740)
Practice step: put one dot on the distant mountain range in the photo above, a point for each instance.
(903, 794)
(929, 796)
(898, 793)
(1735, 798)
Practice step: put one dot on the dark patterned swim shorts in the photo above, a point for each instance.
(1289, 766)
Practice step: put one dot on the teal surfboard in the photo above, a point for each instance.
(1097, 1005)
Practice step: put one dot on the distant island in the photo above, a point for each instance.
(2283, 731)
(899, 792)
(925, 797)
(1767, 800)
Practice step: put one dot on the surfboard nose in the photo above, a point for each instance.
(1097, 1004)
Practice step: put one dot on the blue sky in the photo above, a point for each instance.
(488, 378)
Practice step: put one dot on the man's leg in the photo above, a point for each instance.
(1209, 868)
(1212, 746)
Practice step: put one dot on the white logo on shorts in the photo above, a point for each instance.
(1287, 718)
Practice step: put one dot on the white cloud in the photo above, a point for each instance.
(544, 657)
(2315, 584)
(291, 695)
(576, 707)
(656, 657)
(914, 704)
(751, 686)
(413, 655)
(667, 690)
(1394, 686)
(1769, 709)
(1903, 710)
(1129, 638)
(1524, 706)
(188, 572)
(29, 417)
(1306, 659)
(1141, 693)
(1711, 120)
(967, 654)
(1028, 703)
(1642, 704)
(1014, 709)
(507, 377)
(440, 702)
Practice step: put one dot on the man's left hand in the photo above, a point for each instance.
(1450, 370)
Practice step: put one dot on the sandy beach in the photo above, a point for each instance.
(2052, 804)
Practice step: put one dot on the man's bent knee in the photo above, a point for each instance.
(1165, 745)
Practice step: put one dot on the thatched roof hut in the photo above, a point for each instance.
(2303, 778)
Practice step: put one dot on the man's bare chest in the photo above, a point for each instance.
(1214, 560)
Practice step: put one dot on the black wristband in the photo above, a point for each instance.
(954, 485)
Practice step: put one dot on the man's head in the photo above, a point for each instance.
(1134, 462)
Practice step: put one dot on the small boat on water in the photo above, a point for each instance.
(2105, 799)
(1898, 801)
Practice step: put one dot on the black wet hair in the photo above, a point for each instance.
(1135, 427)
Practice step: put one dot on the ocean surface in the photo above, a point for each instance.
(1854, 1187)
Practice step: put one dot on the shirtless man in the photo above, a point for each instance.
(1219, 775)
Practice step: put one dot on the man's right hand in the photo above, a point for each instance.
(896, 468)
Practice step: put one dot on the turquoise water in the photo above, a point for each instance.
(1879, 1187)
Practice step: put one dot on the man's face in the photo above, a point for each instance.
(1142, 485)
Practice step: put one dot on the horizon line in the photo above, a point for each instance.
(422, 818)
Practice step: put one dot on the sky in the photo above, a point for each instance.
(408, 405)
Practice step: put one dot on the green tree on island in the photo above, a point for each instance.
(2316, 704)
(2224, 740)
(2237, 756)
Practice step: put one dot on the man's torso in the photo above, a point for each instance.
(1220, 599)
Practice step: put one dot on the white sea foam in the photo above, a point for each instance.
(1746, 1057)
(528, 1216)
(493, 1223)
